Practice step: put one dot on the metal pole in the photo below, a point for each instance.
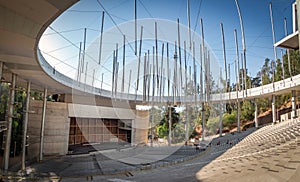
(123, 76)
(195, 74)
(288, 50)
(101, 35)
(238, 115)
(10, 120)
(202, 63)
(221, 107)
(224, 55)
(83, 55)
(189, 22)
(179, 51)
(298, 19)
(129, 82)
(294, 111)
(79, 63)
(185, 95)
(135, 26)
(237, 62)
(273, 31)
(156, 53)
(243, 44)
(282, 65)
(43, 125)
(25, 124)
(170, 125)
(168, 70)
(273, 109)
(139, 60)
(161, 71)
(113, 74)
(255, 115)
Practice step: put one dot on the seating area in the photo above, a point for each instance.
(271, 153)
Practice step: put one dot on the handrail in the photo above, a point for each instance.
(278, 87)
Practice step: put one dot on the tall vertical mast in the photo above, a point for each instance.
(101, 35)
(135, 26)
(288, 50)
(83, 55)
(243, 43)
(224, 55)
(179, 51)
(189, 22)
(123, 75)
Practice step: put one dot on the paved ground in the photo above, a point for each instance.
(143, 163)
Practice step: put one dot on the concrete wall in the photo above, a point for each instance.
(140, 127)
(57, 125)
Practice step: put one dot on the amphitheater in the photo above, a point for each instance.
(87, 115)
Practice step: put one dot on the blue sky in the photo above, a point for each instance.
(256, 17)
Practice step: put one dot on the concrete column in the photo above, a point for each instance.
(294, 111)
(238, 116)
(273, 110)
(25, 123)
(43, 125)
(9, 122)
(203, 122)
(255, 115)
(170, 126)
(221, 120)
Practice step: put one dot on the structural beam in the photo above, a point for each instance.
(9, 121)
(43, 125)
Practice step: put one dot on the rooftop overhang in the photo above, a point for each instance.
(289, 42)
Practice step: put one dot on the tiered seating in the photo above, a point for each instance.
(270, 153)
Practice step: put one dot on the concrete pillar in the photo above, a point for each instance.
(273, 110)
(255, 115)
(238, 116)
(25, 123)
(294, 111)
(221, 120)
(9, 122)
(170, 126)
(187, 124)
(43, 125)
(203, 122)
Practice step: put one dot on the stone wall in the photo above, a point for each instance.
(56, 133)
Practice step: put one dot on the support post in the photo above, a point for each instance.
(25, 126)
(9, 122)
(43, 125)
(238, 116)
(203, 121)
(170, 126)
(255, 115)
(273, 110)
(294, 111)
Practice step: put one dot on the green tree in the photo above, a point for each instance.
(247, 111)
(163, 128)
